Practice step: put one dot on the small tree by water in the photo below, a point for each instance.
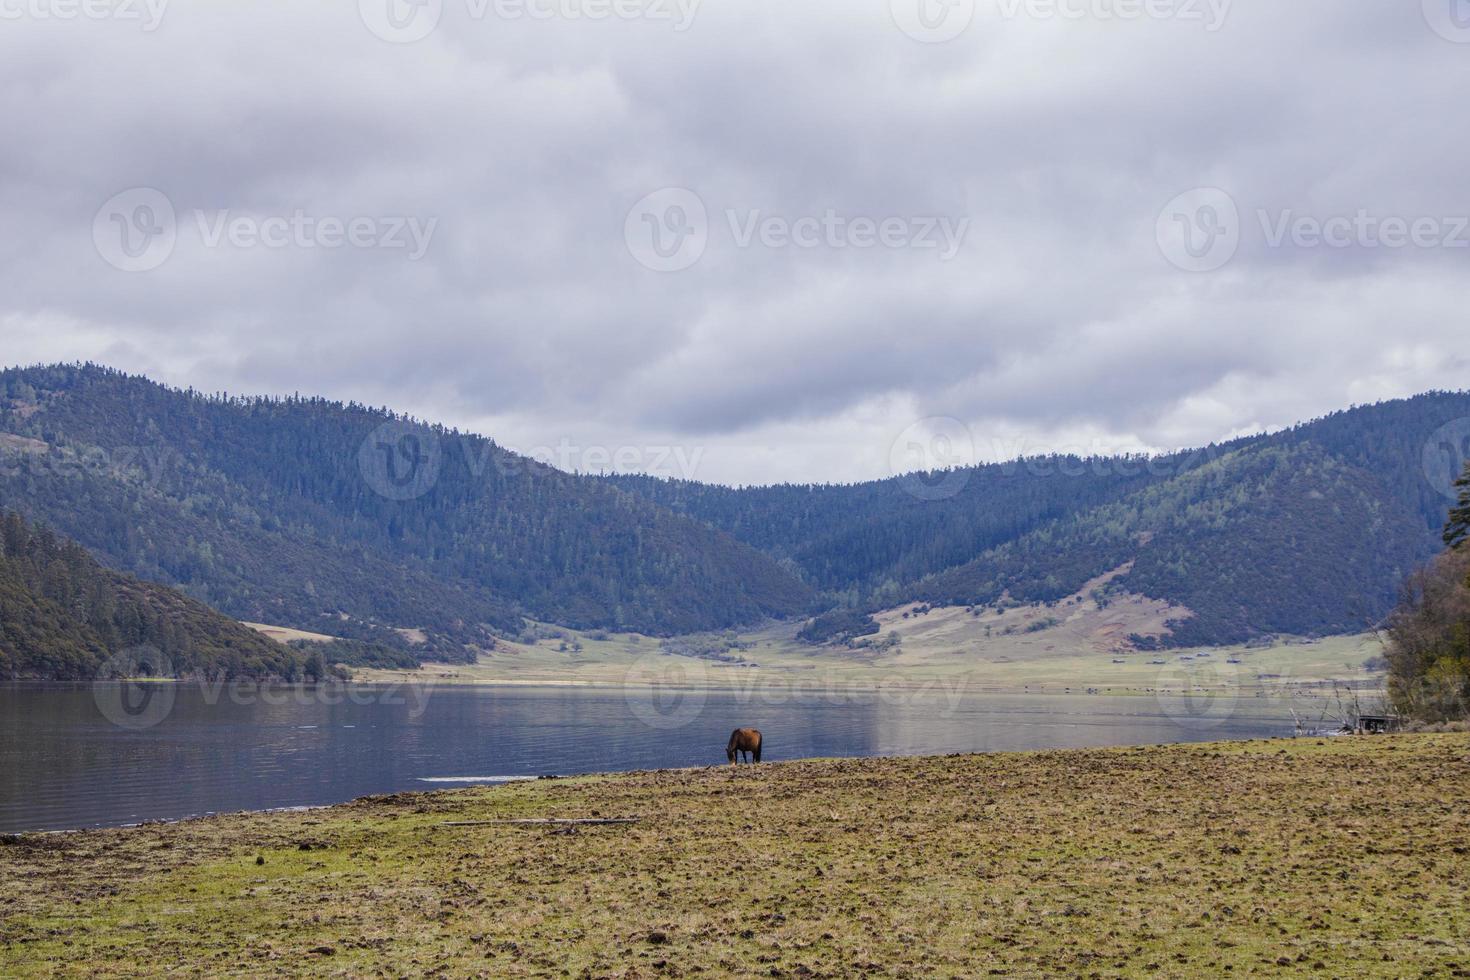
(1429, 633)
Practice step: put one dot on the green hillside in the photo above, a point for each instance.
(1264, 540)
(1303, 531)
(62, 615)
(347, 520)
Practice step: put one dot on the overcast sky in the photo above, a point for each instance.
(797, 241)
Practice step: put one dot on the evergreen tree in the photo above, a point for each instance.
(1457, 528)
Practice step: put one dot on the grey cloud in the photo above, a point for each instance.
(530, 142)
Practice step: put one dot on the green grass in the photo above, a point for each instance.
(933, 648)
(1338, 857)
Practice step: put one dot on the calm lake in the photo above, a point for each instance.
(84, 756)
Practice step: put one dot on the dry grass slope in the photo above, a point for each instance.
(1342, 857)
(284, 634)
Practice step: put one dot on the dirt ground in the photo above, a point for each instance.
(1336, 857)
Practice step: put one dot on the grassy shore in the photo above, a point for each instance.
(1338, 857)
(1075, 645)
(942, 648)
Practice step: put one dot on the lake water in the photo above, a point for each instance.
(85, 756)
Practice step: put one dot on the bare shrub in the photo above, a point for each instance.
(1429, 642)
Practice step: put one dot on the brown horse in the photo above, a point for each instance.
(746, 740)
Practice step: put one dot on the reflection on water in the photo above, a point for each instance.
(68, 759)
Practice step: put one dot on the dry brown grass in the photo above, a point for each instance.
(284, 634)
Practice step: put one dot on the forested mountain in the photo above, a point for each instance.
(875, 539)
(1270, 540)
(62, 615)
(352, 521)
(349, 520)
(1304, 531)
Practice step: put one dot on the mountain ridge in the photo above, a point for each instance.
(282, 511)
(310, 514)
(898, 547)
